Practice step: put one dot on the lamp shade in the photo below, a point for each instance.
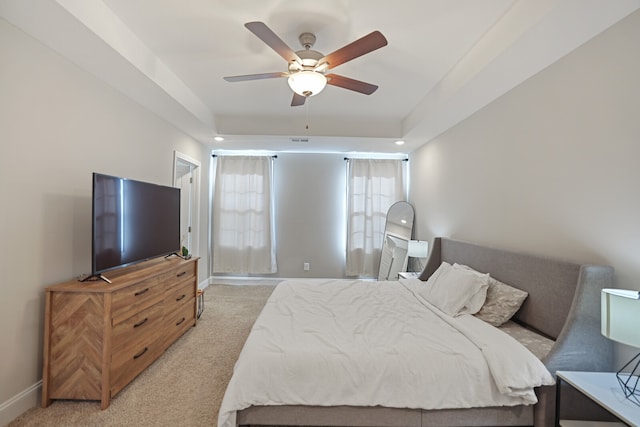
(418, 248)
(307, 83)
(620, 313)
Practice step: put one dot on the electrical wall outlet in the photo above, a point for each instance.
(306, 266)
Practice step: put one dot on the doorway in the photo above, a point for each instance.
(186, 176)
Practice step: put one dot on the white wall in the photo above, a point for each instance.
(552, 167)
(58, 124)
(310, 194)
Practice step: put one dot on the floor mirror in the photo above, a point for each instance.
(395, 244)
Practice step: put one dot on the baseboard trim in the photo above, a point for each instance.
(204, 284)
(240, 281)
(20, 403)
(258, 280)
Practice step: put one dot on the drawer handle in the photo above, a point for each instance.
(181, 298)
(141, 353)
(145, 290)
(180, 322)
(181, 274)
(141, 323)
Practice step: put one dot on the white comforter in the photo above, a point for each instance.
(362, 343)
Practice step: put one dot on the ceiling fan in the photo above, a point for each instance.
(307, 68)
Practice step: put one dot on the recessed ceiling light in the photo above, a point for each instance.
(219, 138)
(399, 142)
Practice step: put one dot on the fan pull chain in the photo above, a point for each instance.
(307, 107)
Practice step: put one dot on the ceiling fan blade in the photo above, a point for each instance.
(265, 34)
(255, 77)
(366, 44)
(297, 100)
(351, 84)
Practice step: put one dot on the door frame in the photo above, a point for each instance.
(180, 159)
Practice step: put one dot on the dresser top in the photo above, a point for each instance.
(125, 276)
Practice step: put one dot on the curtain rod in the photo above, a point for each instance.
(273, 157)
(357, 158)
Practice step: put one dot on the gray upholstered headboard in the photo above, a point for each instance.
(563, 303)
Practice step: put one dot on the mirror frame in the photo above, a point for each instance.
(395, 243)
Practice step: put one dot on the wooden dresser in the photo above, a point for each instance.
(100, 336)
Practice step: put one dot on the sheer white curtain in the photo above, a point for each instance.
(242, 232)
(373, 186)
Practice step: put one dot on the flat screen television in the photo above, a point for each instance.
(133, 221)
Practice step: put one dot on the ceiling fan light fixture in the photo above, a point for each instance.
(307, 83)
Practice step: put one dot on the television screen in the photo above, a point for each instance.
(133, 221)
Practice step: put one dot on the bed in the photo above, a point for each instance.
(562, 306)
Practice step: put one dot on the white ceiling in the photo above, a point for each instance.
(445, 60)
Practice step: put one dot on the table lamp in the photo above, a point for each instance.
(621, 322)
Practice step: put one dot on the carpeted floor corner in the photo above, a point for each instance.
(184, 387)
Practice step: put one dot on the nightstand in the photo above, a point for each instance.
(409, 274)
(603, 389)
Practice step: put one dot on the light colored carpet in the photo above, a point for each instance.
(184, 387)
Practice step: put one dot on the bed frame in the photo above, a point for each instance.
(563, 304)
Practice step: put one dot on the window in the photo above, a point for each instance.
(242, 232)
(373, 186)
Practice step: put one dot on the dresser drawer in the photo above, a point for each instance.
(133, 299)
(178, 295)
(179, 320)
(178, 274)
(129, 361)
(135, 328)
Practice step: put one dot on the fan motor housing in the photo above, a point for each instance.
(309, 58)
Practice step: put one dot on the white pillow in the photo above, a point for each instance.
(443, 269)
(424, 290)
(456, 289)
(477, 301)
